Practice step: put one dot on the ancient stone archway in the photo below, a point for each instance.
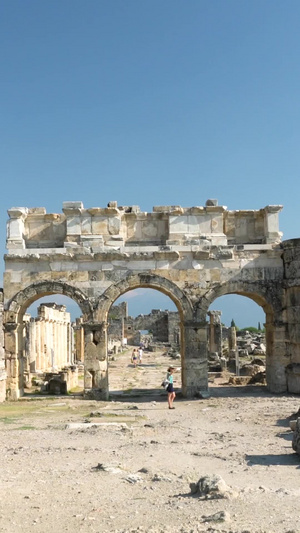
(186, 313)
(271, 304)
(13, 334)
(23, 299)
(257, 292)
(150, 281)
(191, 254)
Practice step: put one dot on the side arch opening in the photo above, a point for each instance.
(43, 340)
(241, 332)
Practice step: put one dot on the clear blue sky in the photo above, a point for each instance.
(150, 102)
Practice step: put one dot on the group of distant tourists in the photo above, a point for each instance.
(137, 356)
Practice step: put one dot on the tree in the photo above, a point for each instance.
(232, 325)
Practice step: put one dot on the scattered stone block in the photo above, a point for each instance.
(212, 487)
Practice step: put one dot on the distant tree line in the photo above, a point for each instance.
(252, 329)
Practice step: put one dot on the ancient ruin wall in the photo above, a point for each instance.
(193, 255)
(114, 226)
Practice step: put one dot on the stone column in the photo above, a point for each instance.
(25, 350)
(215, 332)
(32, 345)
(194, 361)
(232, 339)
(52, 345)
(42, 344)
(79, 340)
(11, 342)
(48, 344)
(95, 361)
(38, 343)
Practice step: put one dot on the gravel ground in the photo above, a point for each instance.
(69, 464)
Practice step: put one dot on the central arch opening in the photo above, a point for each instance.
(144, 338)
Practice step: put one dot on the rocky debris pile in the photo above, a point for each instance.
(253, 368)
(216, 363)
(250, 343)
(212, 487)
(259, 377)
(173, 353)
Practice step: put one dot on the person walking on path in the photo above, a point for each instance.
(170, 387)
(134, 357)
(140, 355)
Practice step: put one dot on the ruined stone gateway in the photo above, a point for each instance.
(193, 255)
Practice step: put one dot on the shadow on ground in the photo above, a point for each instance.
(274, 460)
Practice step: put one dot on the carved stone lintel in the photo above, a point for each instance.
(191, 324)
(94, 326)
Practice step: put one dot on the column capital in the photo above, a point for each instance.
(273, 208)
(17, 212)
(94, 326)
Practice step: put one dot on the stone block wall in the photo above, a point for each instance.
(30, 228)
(158, 322)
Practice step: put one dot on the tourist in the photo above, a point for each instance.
(140, 354)
(134, 357)
(170, 388)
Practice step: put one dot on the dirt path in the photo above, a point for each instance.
(124, 378)
(50, 478)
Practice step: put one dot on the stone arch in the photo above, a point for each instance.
(150, 281)
(13, 326)
(23, 299)
(262, 295)
(267, 297)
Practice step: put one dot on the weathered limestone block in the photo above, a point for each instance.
(212, 487)
(114, 226)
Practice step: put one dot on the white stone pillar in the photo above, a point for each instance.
(32, 345)
(15, 227)
(272, 232)
(73, 211)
